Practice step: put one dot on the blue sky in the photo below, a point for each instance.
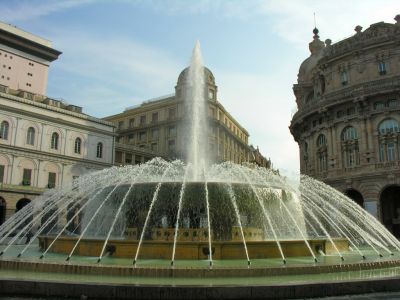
(118, 53)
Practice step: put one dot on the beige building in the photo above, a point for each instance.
(44, 142)
(156, 128)
(347, 123)
(24, 60)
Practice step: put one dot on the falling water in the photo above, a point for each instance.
(208, 223)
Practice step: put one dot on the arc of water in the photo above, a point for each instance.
(298, 228)
(26, 217)
(153, 200)
(10, 223)
(338, 229)
(324, 230)
(24, 229)
(181, 194)
(360, 212)
(208, 221)
(119, 211)
(351, 224)
(235, 207)
(92, 218)
(74, 216)
(45, 224)
(266, 214)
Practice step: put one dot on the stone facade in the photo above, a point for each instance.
(156, 128)
(44, 142)
(347, 123)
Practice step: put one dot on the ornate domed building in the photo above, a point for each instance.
(347, 123)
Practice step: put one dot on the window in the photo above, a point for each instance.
(4, 130)
(321, 140)
(128, 158)
(350, 148)
(120, 124)
(351, 111)
(171, 145)
(142, 136)
(99, 150)
(393, 103)
(344, 77)
(54, 141)
(172, 131)
(30, 136)
(154, 118)
(131, 123)
(131, 138)
(26, 177)
(1, 173)
(379, 105)
(389, 144)
(118, 156)
(388, 126)
(382, 68)
(349, 133)
(339, 114)
(322, 153)
(171, 113)
(51, 183)
(142, 120)
(154, 134)
(78, 145)
(211, 94)
(154, 147)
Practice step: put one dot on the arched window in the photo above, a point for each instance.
(78, 145)
(30, 136)
(388, 126)
(54, 141)
(389, 147)
(99, 152)
(321, 140)
(4, 130)
(322, 153)
(350, 150)
(349, 133)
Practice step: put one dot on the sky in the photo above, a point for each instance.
(120, 53)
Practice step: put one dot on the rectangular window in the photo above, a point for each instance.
(1, 174)
(128, 158)
(154, 118)
(26, 177)
(142, 120)
(390, 152)
(142, 136)
(171, 145)
(51, 183)
(344, 78)
(154, 134)
(131, 123)
(171, 113)
(172, 131)
(118, 156)
(382, 68)
(211, 94)
(381, 152)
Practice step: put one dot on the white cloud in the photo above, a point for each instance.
(26, 10)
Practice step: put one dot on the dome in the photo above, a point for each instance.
(316, 48)
(209, 75)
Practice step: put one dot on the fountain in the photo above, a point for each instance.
(196, 220)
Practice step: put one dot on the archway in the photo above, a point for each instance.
(22, 203)
(3, 207)
(355, 196)
(390, 205)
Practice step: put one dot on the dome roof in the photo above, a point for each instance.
(183, 75)
(317, 50)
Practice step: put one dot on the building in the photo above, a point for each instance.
(156, 128)
(347, 123)
(44, 142)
